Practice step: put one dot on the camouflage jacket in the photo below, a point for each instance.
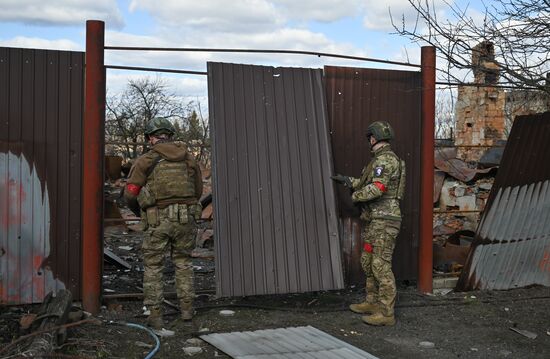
(380, 186)
(169, 172)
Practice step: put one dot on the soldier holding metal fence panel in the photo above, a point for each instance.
(378, 191)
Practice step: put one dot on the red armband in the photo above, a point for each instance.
(368, 247)
(133, 189)
(380, 186)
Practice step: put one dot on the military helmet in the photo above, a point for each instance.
(159, 125)
(381, 130)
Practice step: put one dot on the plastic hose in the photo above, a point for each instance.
(157, 341)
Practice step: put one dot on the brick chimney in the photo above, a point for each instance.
(479, 110)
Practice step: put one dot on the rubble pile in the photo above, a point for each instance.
(459, 206)
(461, 191)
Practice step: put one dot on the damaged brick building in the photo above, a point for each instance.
(465, 171)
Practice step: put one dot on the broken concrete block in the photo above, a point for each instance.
(447, 198)
(466, 203)
(192, 350)
(460, 190)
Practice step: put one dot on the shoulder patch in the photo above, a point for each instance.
(378, 171)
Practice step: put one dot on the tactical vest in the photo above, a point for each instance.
(168, 181)
(397, 191)
(396, 187)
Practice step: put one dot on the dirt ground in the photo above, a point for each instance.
(460, 325)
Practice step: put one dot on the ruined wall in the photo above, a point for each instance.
(480, 120)
(524, 102)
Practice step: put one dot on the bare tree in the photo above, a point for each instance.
(128, 113)
(519, 30)
(196, 133)
(444, 114)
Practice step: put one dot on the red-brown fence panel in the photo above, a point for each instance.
(41, 110)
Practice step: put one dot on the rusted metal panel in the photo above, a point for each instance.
(40, 160)
(512, 244)
(446, 161)
(352, 247)
(275, 208)
(357, 97)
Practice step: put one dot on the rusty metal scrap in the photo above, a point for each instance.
(446, 161)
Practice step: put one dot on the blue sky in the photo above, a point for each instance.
(354, 27)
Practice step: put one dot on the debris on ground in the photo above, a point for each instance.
(227, 313)
(426, 345)
(481, 321)
(192, 350)
(114, 259)
(524, 332)
(164, 333)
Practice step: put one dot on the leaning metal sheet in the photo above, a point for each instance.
(299, 342)
(275, 205)
(512, 244)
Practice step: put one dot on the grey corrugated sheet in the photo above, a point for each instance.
(275, 219)
(356, 97)
(300, 342)
(512, 244)
(41, 106)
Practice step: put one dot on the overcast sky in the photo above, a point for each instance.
(352, 27)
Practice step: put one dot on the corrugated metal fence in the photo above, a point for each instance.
(356, 97)
(512, 244)
(275, 222)
(41, 106)
(272, 149)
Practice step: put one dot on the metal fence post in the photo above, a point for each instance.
(93, 148)
(425, 250)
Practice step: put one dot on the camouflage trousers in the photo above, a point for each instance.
(380, 235)
(168, 236)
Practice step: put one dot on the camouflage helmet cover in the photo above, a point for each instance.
(381, 130)
(159, 125)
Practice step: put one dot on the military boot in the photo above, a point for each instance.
(379, 319)
(365, 308)
(186, 310)
(154, 320)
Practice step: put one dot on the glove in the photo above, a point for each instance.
(342, 179)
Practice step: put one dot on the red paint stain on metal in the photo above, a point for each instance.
(37, 262)
(544, 264)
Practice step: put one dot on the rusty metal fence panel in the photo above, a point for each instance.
(41, 107)
(512, 244)
(357, 97)
(275, 220)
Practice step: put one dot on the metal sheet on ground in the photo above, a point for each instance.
(294, 342)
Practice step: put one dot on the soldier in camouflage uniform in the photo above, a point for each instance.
(378, 191)
(166, 184)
